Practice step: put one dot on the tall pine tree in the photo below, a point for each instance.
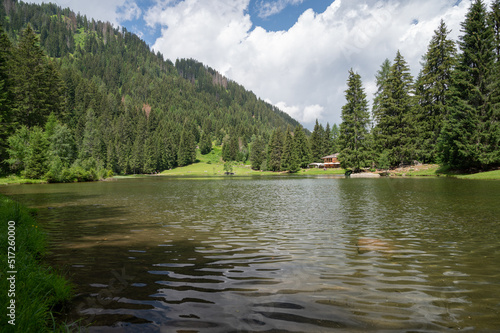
(353, 140)
(317, 142)
(380, 79)
(432, 93)
(470, 136)
(289, 157)
(302, 146)
(274, 150)
(38, 88)
(258, 153)
(6, 121)
(395, 126)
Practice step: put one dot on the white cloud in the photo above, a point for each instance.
(128, 11)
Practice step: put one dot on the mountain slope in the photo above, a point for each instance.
(128, 108)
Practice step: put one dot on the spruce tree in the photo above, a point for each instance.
(353, 140)
(6, 121)
(470, 136)
(274, 151)
(317, 142)
(32, 94)
(18, 148)
(302, 146)
(258, 153)
(187, 147)
(335, 132)
(432, 93)
(495, 25)
(289, 157)
(395, 126)
(327, 141)
(36, 163)
(205, 143)
(380, 79)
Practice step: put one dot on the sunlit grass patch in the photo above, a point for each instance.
(13, 179)
(492, 175)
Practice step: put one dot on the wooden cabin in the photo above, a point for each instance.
(331, 161)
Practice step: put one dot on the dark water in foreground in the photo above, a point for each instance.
(223, 255)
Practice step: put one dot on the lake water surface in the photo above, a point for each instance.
(318, 254)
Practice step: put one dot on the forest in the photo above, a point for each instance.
(82, 100)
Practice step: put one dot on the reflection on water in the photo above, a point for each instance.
(299, 255)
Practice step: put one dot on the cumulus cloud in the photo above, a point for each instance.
(128, 11)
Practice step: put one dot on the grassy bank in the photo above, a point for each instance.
(34, 290)
(13, 179)
(438, 171)
(491, 175)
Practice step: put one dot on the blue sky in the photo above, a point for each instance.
(295, 54)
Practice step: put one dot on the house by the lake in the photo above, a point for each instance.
(330, 161)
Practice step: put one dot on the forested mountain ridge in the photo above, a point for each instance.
(97, 98)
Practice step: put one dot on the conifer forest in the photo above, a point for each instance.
(82, 100)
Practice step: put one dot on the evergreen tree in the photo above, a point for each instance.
(205, 143)
(495, 25)
(230, 148)
(395, 126)
(6, 125)
(302, 146)
(432, 92)
(258, 153)
(289, 156)
(317, 142)
(150, 156)
(187, 147)
(37, 89)
(380, 79)
(353, 139)
(274, 151)
(327, 141)
(335, 133)
(36, 163)
(61, 144)
(18, 148)
(470, 136)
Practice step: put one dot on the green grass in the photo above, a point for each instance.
(212, 165)
(39, 292)
(13, 179)
(491, 175)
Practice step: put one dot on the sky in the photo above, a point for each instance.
(295, 54)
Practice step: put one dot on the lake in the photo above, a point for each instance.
(317, 254)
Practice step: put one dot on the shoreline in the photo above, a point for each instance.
(202, 169)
